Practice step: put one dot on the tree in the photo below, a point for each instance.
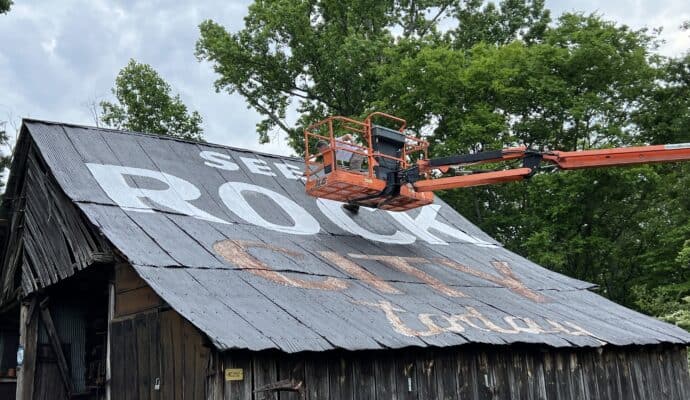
(5, 6)
(145, 104)
(325, 54)
(5, 156)
(576, 88)
(504, 76)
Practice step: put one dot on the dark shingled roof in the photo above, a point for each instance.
(230, 240)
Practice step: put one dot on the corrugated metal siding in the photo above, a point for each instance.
(70, 324)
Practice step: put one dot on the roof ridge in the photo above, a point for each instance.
(156, 136)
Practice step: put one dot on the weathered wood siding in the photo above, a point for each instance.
(48, 238)
(161, 346)
(132, 294)
(467, 372)
(157, 347)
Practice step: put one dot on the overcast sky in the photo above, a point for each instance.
(58, 57)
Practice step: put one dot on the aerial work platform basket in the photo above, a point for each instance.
(363, 164)
(352, 162)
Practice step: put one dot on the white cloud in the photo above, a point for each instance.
(667, 14)
(59, 56)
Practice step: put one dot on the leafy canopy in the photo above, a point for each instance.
(473, 75)
(145, 104)
(324, 55)
(5, 6)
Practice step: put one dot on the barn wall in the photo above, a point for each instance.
(152, 344)
(132, 294)
(157, 347)
(160, 346)
(468, 372)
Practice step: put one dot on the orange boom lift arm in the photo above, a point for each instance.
(391, 181)
(532, 160)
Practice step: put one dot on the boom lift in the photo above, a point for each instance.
(364, 164)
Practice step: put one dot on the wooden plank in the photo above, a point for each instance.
(364, 371)
(316, 377)
(117, 364)
(496, 373)
(29, 340)
(238, 389)
(131, 372)
(214, 377)
(340, 376)
(177, 349)
(57, 347)
(446, 375)
(109, 341)
(484, 380)
(167, 354)
(126, 278)
(154, 353)
(466, 373)
(426, 375)
(193, 371)
(136, 301)
(385, 372)
(291, 367)
(141, 327)
(202, 354)
(265, 372)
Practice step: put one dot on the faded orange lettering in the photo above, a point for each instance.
(507, 278)
(404, 264)
(359, 272)
(236, 252)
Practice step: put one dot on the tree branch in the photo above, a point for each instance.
(433, 20)
(264, 110)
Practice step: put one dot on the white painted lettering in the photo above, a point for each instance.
(303, 222)
(289, 171)
(470, 319)
(219, 160)
(426, 220)
(257, 166)
(334, 212)
(175, 196)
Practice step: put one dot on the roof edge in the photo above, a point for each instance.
(26, 121)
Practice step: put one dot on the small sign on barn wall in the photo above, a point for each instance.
(234, 374)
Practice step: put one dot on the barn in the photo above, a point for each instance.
(142, 267)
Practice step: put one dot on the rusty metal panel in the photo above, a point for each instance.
(230, 240)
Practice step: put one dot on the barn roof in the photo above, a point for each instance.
(230, 240)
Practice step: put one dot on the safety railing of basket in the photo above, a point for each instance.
(331, 128)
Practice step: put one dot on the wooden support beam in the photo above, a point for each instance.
(109, 350)
(28, 338)
(57, 347)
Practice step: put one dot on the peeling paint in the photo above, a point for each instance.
(471, 319)
(236, 252)
(507, 278)
(404, 264)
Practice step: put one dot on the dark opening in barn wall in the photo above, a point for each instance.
(71, 315)
(9, 345)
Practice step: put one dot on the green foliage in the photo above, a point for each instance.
(5, 6)
(5, 159)
(145, 104)
(325, 54)
(502, 75)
